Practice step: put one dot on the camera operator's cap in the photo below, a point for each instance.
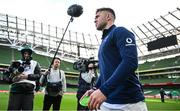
(26, 48)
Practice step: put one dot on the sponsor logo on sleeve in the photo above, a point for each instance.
(129, 42)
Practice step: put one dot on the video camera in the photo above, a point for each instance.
(17, 68)
(82, 64)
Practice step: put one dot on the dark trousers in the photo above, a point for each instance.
(20, 101)
(51, 100)
(162, 98)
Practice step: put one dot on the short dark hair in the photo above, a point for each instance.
(57, 58)
(108, 10)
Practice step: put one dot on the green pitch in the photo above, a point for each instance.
(69, 103)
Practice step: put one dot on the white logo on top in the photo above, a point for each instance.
(129, 40)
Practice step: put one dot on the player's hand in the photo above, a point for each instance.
(88, 93)
(96, 99)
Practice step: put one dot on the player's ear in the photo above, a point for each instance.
(108, 16)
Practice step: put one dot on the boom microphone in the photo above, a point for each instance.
(75, 10)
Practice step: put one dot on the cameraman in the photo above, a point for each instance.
(24, 83)
(86, 81)
(55, 82)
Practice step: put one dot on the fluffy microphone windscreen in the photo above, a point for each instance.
(75, 10)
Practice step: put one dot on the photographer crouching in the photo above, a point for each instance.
(87, 79)
(23, 75)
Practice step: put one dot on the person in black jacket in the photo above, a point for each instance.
(162, 93)
(23, 75)
(86, 81)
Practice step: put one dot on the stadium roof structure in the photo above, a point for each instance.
(164, 26)
(44, 39)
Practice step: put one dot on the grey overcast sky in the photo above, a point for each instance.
(130, 13)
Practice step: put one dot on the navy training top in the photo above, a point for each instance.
(118, 62)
